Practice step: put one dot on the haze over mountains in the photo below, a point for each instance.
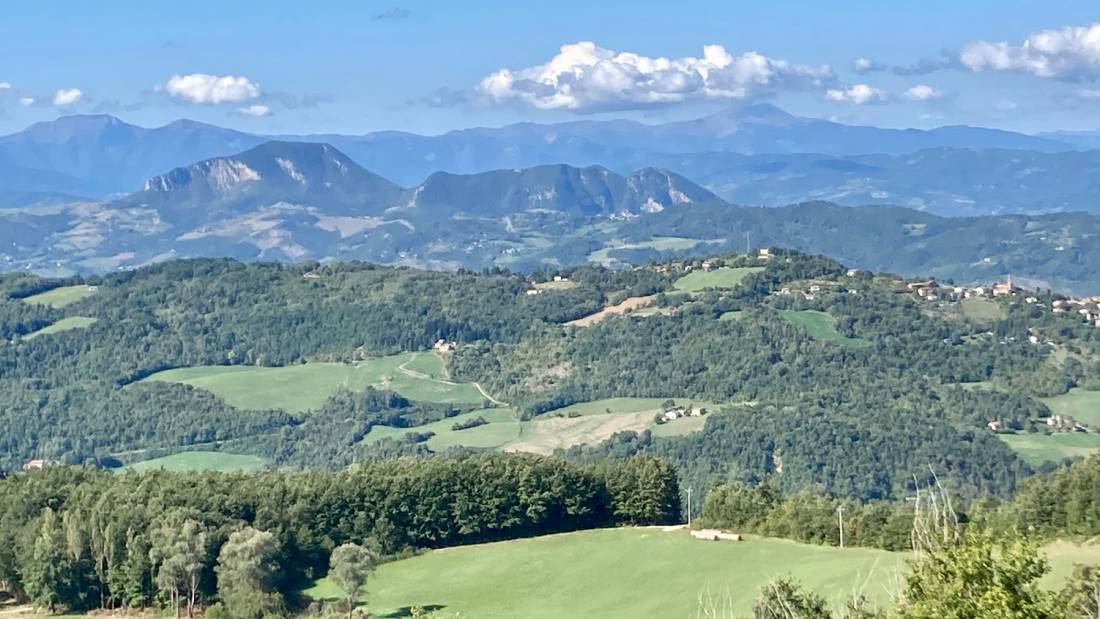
(757, 154)
(503, 197)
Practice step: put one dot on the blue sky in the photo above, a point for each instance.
(353, 67)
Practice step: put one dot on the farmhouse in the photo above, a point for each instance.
(444, 346)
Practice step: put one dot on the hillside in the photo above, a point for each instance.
(215, 355)
(304, 201)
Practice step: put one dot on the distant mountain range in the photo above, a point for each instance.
(300, 200)
(756, 154)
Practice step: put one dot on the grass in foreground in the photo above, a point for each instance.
(821, 326)
(65, 324)
(636, 573)
(298, 388)
(60, 297)
(200, 461)
(725, 277)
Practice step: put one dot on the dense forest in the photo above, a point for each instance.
(857, 414)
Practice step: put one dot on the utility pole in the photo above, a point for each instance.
(840, 521)
(689, 508)
(748, 246)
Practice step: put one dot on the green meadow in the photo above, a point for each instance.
(982, 310)
(725, 277)
(60, 297)
(580, 424)
(200, 461)
(298, 388)
(635, 572)
(1081, 404)
(1036, 448)
(820, 325)
(65, 324)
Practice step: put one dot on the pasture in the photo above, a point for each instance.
(821, 326)
(1036, 448)
(635, 572)
(61, 297)
(65, 324)
(298, 388)
(725, 277)
(1081, 404)
(200, 461)
(581, 424)
(982, 310)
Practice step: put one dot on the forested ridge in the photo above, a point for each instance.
(856, 414)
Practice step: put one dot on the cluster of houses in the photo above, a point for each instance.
(679, 412)
(1055, 423)
(930, 290)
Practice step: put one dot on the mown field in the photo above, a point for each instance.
(200, 461)
(581, 424)
(634, 573)
(297, 388)
(61, 297)
(725, 277)
(1038, 448)
(65, 324)
(1081, 404)
(982, 310)
(821, 326)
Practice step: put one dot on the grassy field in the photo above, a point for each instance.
(627, 305)
(590, 423)
(1039, 448)
(659, 243)
(982, 310)
(725, 277)
(820, 325)
(299, 388)
(734, 315)
(65, 324)
(503, 427)
(635, 573)
(200, 461)
(60, 297)
(1082, 405)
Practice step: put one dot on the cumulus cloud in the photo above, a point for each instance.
(212, 89)
(5, 85)
(864, 65)
(924, 66)
(585, 76)
(1071, 53)
(26, 101)
(67, 96)
(256, 109)
(922, 92)
(858, 94)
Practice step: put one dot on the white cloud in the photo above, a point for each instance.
(1089, 93)
(1071, 53)
(922, 92)
(858, 94)
(67, 96)
(585, 76)
(5, 85)
(26, 101)
(255, 109)
(864, 65)
(211, 89)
